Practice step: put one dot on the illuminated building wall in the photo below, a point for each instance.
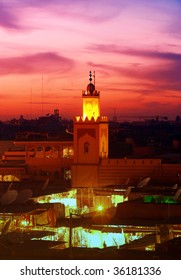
(11, 173)
(90, 140)
(45, 158)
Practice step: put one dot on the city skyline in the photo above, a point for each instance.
(48, 48)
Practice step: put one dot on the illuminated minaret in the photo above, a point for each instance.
(90, 139)
(91, 104)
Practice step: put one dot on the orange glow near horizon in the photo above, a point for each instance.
(134, 49)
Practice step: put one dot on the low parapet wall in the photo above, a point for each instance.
(148, 211)
(117, 171)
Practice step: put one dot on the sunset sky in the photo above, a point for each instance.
(48, 47)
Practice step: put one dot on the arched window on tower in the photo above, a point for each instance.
(86, 147)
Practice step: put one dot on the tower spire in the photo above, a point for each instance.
(90, 76)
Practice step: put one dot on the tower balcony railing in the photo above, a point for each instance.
(81, 119)
(86, 93)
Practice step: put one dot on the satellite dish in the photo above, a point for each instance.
(143, 183)
(127, 192)
(8, 197)
(6, 227)
(127, 181)
(24, 195)
(45, 184)
(177, 194)
(10, 185)
(175, 187)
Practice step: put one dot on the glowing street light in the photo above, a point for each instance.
(100, 208)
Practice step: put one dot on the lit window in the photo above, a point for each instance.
(67, 174)
(68, 151)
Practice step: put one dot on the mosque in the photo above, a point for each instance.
(81, 158)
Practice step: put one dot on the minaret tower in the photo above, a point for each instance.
(90, 139)
(91, 104)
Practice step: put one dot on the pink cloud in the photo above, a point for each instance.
(46, 62)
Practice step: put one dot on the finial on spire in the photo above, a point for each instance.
(90, 76)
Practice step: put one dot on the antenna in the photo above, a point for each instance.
(115, 115)
(42, 94)
(94, 79)
(31, 99)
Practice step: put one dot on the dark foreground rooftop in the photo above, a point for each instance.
(33, 251)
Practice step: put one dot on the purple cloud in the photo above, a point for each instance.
(94, 11)
(167, 76)
(135, 52)
(8, 17)
(99, 11)
(46, 62)
(168, 73)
